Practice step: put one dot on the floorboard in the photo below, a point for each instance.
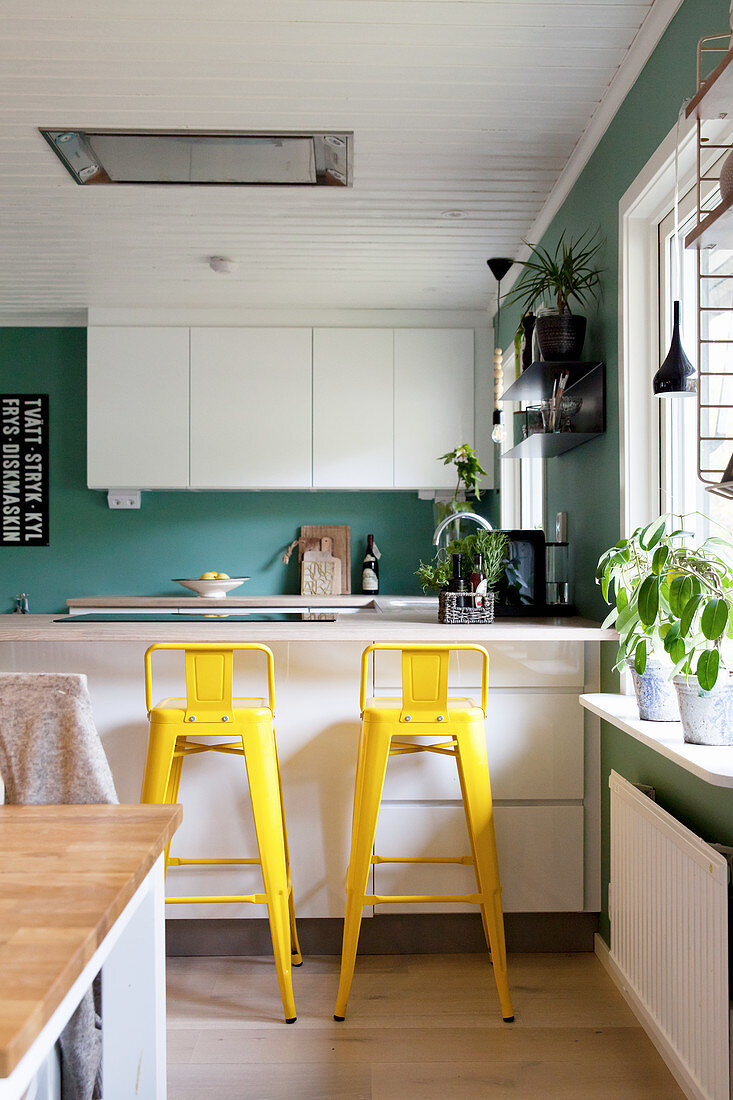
(419, 1027)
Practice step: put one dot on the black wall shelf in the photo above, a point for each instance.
(535, 384)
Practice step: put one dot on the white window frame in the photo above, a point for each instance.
(522, 485)
(641, 209)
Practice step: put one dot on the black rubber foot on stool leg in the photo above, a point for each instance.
(294, 1018)
(508, 1019)
(339, 1018)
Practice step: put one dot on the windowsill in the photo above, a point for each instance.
(711, 763)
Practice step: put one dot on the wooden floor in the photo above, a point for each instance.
(419, 1027)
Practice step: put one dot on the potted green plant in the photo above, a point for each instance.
(468, 471)
(568, 273)
(621, 572)
(492, 545)
(675, 600)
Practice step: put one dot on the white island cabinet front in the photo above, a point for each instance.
(543, 756)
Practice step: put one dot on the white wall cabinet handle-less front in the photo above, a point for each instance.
(433, 409)
(353, 402)
(251, 408)
(137, 408)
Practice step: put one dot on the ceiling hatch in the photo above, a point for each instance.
(203, 159)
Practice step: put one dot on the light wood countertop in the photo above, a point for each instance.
(395, 624)
(66, 874)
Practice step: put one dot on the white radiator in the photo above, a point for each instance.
(668, 905)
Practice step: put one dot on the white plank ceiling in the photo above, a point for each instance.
(456, 105)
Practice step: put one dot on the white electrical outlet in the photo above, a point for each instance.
(123, 498)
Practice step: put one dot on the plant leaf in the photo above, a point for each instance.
(660, 557)
(677, 650)
(640, 657)
(649, 600)
(714, 619)
(707, 669)
(680, 593)
(688, 614)
(652, 533)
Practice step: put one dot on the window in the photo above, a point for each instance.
(522, 496)
(681, 489)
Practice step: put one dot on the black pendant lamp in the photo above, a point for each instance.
(676, 376)
(498, 265)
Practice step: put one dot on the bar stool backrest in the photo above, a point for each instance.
(425, 678)
(209, 676)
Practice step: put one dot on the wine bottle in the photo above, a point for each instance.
(479, 584)
(458, 583)
(370, 569)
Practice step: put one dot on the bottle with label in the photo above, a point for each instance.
(370, 568)
(479, 584)
(458, 582)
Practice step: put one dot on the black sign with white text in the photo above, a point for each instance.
(23, 469)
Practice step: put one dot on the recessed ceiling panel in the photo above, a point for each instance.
(94, 157)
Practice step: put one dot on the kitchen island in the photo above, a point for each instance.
(543, 749)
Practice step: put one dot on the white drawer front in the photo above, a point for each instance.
(540, 857)
(511, 664)
(535, 748)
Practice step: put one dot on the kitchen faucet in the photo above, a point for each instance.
(478, 520)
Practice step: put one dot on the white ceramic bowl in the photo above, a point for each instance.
(214, 589)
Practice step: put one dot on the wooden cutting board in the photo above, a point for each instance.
(341, 536)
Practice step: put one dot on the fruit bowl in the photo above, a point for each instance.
(214, 588)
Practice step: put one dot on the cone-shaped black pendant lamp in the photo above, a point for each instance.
(499, 266)
(676, 376)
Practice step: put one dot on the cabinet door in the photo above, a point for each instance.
(137, 408)
(353, 403)
(251, 411)
(540, 857)
(433, 410)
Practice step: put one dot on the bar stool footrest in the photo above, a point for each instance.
(253, 899)
(403, 899)
(466, 861)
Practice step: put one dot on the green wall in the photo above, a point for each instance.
(95, 551)
(585, 482)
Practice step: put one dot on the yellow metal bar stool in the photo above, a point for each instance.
(209, 711)
(392, 727)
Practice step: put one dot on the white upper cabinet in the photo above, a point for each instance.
(137, 408)
(277, 408)
(433, 403)
(251, 408)
(353, 405)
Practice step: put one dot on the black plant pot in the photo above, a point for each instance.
(561, 336)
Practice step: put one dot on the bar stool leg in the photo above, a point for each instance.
(295, 952)
(480, 818)
(261, 761)
(371, 770)
(469, 829)
(158, 764)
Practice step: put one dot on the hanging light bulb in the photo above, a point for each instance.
(499, 265)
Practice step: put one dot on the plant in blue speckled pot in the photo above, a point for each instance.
(672, 609)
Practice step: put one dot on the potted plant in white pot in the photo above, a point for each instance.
(627, 572)
(563, 275)
(672, 607)
(701, 601)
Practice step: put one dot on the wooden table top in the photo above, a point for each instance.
(66, 874)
